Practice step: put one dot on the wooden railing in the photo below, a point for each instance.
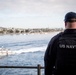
(38, 67)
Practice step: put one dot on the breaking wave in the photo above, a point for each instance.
(35, 49)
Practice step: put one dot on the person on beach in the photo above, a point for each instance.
(60, 55)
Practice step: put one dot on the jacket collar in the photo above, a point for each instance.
(70, 31)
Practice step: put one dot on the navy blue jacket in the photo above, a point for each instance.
(51, 57)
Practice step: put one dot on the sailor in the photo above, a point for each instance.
(61, 51)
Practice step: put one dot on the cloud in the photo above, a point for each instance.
(37, 6)
(33, 13)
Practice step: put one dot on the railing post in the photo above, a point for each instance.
(39, 69)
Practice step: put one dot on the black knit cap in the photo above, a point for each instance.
(69, 16)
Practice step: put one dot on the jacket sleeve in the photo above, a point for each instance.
(50, 56)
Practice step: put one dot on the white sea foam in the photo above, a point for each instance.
(35, 49)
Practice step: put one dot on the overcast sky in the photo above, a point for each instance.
(35, 13)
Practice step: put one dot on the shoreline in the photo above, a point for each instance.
(29, 33)
(12, 31)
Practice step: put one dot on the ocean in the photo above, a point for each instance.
(29, 50)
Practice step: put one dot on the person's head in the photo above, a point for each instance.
(70, 20)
